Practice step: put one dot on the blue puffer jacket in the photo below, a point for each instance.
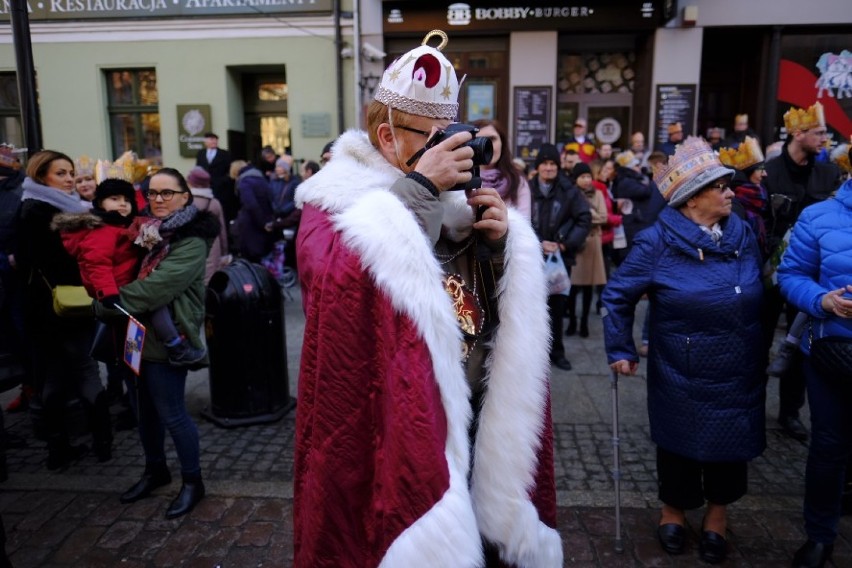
(705, 381)
(818, 260)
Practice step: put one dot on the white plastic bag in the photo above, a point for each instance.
(558, 281)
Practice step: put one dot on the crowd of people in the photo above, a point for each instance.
(433, 326)
(141, 241)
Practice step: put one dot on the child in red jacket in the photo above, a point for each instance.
(103, 244)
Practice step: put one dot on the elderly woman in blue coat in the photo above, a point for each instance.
(816, 276)
(700, 267)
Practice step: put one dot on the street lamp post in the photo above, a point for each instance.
(30, 117)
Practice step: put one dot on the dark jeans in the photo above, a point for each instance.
(556, 307)
(828, 454)
(686, 483)
(791, 386)
(157, 395)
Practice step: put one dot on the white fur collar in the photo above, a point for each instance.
(393, 249)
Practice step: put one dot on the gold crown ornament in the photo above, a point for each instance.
(746, 155)
(422, 82)
(840, 156)
(84, 166)
(693, 166)
(799, 120)
(626, 159)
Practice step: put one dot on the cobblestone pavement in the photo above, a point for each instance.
(74, 519)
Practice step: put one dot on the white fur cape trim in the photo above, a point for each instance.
(397, 254)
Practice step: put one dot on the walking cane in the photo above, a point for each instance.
(616, 471)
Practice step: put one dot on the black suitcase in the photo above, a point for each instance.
(246, 342)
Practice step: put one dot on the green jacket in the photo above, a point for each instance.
(177, 280)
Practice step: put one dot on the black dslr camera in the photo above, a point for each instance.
(483, 151)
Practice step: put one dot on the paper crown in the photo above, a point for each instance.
(840, 156)
(127, 167)
(797, 119)
(693, 166)
(746, 155)
(84, 165)
(626, 159)
(422, 82)
(8, 159)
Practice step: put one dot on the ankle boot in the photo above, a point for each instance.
(153, 477)
(190, 494)
(584, 327)
(99, 421)
(572, 326)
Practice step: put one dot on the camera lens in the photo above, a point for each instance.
(483, 151)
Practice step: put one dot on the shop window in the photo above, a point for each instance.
(134, 116)
(596, 73)
(10, 111)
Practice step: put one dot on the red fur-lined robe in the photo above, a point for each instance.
(382, 446)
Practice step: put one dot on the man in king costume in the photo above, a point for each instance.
(423, 431)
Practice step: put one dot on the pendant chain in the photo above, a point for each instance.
(445, 258)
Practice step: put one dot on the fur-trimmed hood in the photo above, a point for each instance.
(353, 190)
(70, 222)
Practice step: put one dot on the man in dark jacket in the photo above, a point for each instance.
(638, 199)
(217, 162)
(794, 180)
(561, 219)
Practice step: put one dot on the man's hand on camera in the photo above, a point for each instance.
(494, 221)
(445, 164)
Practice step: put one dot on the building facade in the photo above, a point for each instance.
(153, 77)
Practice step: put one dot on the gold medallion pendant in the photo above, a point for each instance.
(469, 313)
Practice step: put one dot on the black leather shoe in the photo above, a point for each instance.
(793, 427)
(672, 537)
(190, 494)
(812, 555)
(142, 488)
(713, 548)
(563, 363)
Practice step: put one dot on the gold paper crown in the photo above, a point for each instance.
(84, 165)
(797, 119)
(840, 156)
(127, 167)
(746, 155)
(693, 166)
(624, 159)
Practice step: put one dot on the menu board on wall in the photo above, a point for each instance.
(532, 120)
(675, 103)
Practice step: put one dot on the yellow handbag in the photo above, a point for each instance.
(72, 302)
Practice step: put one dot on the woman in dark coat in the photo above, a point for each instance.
(255, 240)
(700, 268)
(62, 365)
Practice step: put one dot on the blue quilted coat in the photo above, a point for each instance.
(818, 260)
(705, 381)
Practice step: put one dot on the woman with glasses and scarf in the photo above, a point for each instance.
(172, 273)
(700, 267)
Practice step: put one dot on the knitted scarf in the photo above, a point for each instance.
(495, 178)
(167, 229)
(753, 198)
(65, 202)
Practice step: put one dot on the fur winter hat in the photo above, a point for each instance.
(113, 186)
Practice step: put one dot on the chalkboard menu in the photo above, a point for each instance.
(532, 120)
(675, 103)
